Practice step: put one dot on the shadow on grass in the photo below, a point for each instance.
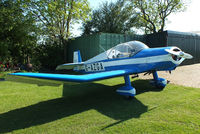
(80, 98)
(2, 79)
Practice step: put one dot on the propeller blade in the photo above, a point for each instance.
(180, 54)
(187, 56)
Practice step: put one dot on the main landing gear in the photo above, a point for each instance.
(127, 90)
(160, 83)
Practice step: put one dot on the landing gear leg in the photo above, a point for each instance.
(127, 90)
(158, 82)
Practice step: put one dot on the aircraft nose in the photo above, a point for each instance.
(179, 53)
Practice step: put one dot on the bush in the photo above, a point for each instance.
(48, 56)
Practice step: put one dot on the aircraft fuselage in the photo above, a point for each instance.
(156, 59)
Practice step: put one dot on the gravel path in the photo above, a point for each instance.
(183, 75)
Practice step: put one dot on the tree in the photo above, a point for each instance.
(112, 18)
(17, 36)
(152, 14)
(57, 17)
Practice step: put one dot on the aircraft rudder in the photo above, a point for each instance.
(77, 57)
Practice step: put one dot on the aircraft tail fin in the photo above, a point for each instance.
(77, 57)
(77, 61)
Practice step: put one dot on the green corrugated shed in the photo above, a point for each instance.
(92, 45)
(156, 39)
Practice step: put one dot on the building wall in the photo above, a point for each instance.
(88, 46)
(156, 40)
(108, 41)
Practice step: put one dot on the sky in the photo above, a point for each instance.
(187, 21)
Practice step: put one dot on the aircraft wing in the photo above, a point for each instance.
(74, 78)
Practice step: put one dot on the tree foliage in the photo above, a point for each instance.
(17, 36)
(31, 26)
(152, 14)
(48, 56)
(57, 16)
(112, 18)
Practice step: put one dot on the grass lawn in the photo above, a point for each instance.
(2, 75)
(96, 108)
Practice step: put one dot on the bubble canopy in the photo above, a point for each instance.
(127, 49)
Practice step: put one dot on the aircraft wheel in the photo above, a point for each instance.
(160, 84)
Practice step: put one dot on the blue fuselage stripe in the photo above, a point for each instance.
(139, 68)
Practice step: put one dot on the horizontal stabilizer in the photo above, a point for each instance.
(74, 78)
(69, 66)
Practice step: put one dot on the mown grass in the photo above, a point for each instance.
(96, 108)
(2, 75)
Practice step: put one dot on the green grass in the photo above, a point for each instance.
(3, 74)
(96, 108)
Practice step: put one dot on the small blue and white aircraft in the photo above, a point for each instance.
(122, 60)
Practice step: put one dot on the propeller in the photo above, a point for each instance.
(179, 54)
